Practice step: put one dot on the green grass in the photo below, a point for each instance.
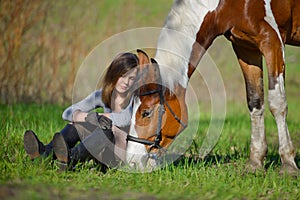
(220, 176)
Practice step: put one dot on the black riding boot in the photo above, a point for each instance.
(67, 157)
(70, 134)
(89, 147)
(35, 148)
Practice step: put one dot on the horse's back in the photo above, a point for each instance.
(251, 17)
(294, 36)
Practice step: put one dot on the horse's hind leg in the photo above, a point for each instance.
(251, 64)
(278, 104)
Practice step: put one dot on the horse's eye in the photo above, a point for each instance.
(146, 113)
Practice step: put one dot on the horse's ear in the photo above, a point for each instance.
(143, 58)
(153, 61)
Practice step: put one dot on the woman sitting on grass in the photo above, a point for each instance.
(102, 136)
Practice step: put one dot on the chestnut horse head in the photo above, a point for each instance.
(159, 114)
(256, 29)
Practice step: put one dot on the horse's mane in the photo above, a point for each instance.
(177, 38)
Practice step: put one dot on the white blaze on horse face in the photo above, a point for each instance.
(270, 19)
(136, 153)
(177, 38)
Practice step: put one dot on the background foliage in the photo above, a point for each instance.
(42, 44)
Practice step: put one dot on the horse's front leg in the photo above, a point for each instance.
(251, 65)
(278, 107)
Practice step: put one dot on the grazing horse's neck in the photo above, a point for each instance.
(177, 39)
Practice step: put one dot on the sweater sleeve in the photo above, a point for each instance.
(91, 102)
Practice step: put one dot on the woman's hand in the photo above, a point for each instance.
(99, 120)
(79, 116)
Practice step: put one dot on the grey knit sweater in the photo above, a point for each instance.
(93, 101)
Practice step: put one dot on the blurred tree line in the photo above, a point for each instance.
(32, 56)
(42, 43)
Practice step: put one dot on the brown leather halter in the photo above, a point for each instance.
(161, 111)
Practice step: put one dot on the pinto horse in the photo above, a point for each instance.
(256, 28)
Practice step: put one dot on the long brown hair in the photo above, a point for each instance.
(122, 64)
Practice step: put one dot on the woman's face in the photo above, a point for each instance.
(125, 82)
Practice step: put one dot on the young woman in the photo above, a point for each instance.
(102, 136)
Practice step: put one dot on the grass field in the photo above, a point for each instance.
(220, 176)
